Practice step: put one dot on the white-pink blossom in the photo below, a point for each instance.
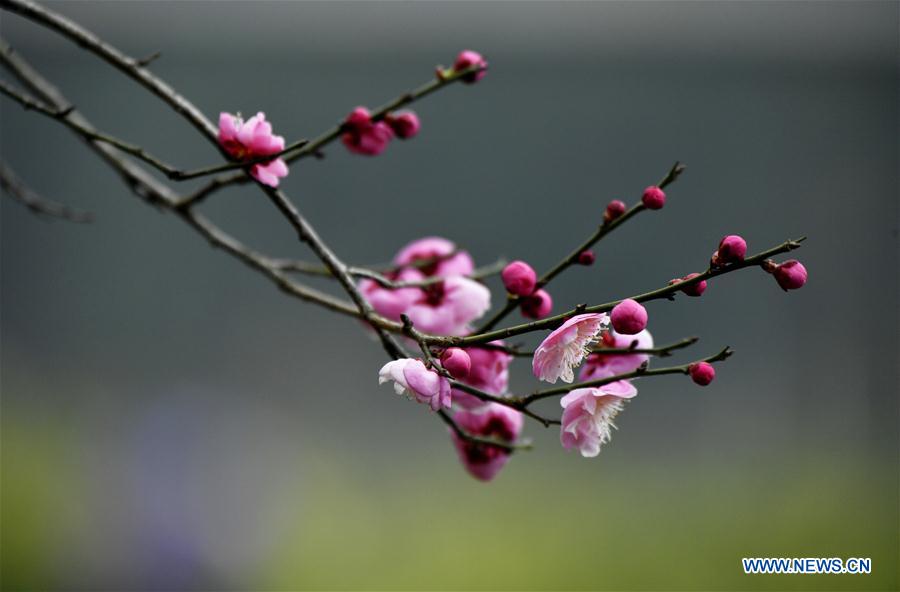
(588, 415)
(412, 379)
(566, 347)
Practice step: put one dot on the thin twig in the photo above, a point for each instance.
(639, 373)
(14, 187)
(608, 226)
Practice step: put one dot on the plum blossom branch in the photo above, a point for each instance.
(608, 225)
(664, 292)
(490, 411)
(639, 373)
(15, 188)
(314, 146)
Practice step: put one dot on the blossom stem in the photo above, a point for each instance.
(639, 373)
(608, 226)
(508, 446)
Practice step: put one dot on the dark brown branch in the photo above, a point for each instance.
(15, 188)
(127, 65)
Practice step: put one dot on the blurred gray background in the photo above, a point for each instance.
(172, 421)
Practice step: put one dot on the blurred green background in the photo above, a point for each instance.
(171, 421)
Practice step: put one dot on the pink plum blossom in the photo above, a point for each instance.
(702, 373)
(457, 362)
(654, 198)
(489, 372)
(404, 124)
(586, 258)
(588, 415)
(629, 317)
(537, 305)
(694, 290)
(496, 421)
(443, 256)
(466, 59)
(449, 306)
(445, 307)
(364, 136)
(600, 365)
(732, 249)
(251, 139)
(567, 346)
(790, 275)
(412, 379)
(614, 209)
(519, 278)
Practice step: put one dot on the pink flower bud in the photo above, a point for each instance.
(702, 373)
(519, 278)
(790, 275)
(628, 317)
(467, 59)
(694, 289)
(405, 124)
(537, 306)
(358, 120)
(586, 258)
(654, 197)
(614, 209)
(732, 249)
(457, 362)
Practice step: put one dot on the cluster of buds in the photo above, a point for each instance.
(520, 280)
(369, 137)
